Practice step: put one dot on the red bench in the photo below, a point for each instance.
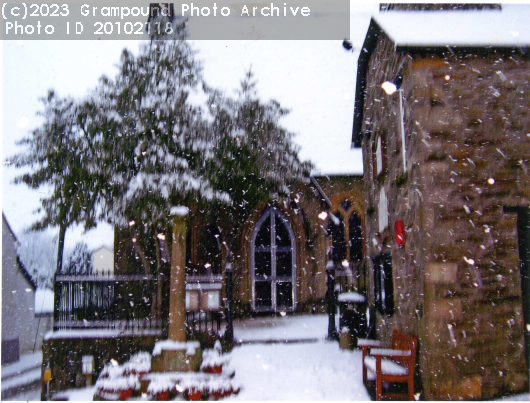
(394, 364)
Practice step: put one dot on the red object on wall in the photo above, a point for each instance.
(401, 236)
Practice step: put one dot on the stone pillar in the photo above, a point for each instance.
(177, 281)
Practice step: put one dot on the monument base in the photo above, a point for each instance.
(174, 356)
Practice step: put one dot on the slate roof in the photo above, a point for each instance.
(441, 32)
(23, 269)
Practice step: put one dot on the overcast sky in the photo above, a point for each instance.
(315, 79)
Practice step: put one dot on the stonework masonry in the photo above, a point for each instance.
(457, 281)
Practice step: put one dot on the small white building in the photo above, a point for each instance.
(27, 311)
(103, 260)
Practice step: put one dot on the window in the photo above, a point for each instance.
(203, 250)
(356, 238)
(379, 155)
(209, 249)
(338, 240)
(383, 284)
(383, 211)
(346, 235)
(273, 258)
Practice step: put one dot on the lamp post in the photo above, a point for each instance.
(330, 297)
(229, 333)
(390, 87)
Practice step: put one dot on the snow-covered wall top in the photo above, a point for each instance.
(508, 27)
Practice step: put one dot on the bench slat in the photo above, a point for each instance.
(370, 343)
(389, 352)
(387, 367)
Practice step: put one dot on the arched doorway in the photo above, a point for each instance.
(273, 263)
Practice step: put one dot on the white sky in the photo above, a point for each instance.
(315, 79)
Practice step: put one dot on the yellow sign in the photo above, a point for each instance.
(47, 375)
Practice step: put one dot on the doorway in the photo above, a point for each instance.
(523, 233)
(523, 238)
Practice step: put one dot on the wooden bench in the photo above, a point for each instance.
(394, 364)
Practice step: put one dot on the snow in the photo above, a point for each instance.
(525, 397)
(390, 352)
(387, 366)
(334, 218)
(305, 371)
(97, 333)
(140, 362)
(119, 383)
(212, 358)
(25, 362)
(168, 381)
(300, 327)
(180, 211)
(508, 27)
(338, 160)
(190, 346)
(83, 395)
(44, 298)
(161, 383)
(29, 396)
(23, 379)
(351, 297)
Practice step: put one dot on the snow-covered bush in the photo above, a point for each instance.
(79, 261)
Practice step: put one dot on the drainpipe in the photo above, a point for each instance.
(401, 117)
(321, 191)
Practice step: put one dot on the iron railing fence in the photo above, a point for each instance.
(125, 302)
(105, 302)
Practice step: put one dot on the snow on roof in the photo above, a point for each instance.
(338, 160)
(506, 28)
(44, 298)
(109, 248)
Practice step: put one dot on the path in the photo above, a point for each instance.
(305, 371)
(287, 358)
(288, 328)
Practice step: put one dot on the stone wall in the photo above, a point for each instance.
(471, 113)
(310, 238)
(457, 281)
(22, 330)
(64, 356)
(404, 201)
(403, 192)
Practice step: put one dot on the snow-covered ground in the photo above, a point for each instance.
(517, 398)
(288, 328)
(25, 362)
(22, 376)
(33, 395)
(301, 371)
(312, 369)
(79, 395)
